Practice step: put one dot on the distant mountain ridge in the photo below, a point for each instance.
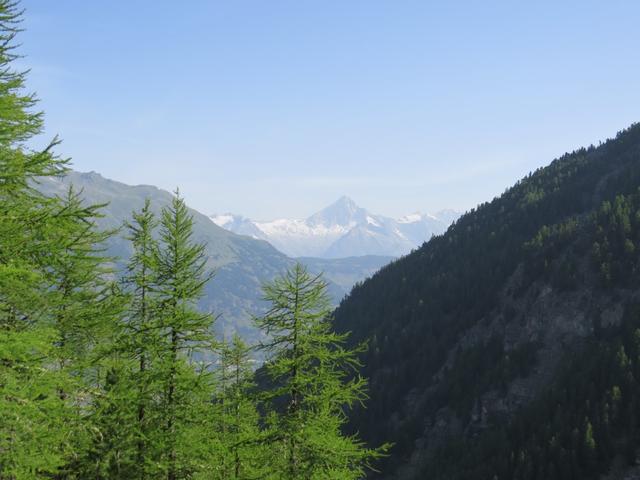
(343, 229)
(241, 263)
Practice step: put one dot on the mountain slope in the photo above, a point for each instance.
(343, 229)
(241, 263)
(480, 326)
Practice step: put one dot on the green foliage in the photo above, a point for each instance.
(245, 452)
(181, 276)
(33, 432)
(311, 373)
(481, 368)
(36, 418)
(116, 380)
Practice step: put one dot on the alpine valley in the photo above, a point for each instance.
(241, 263)
(508, 347)
(141, 339)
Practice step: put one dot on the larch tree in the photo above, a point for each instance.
(142, 329)
(124, 407)
(186, 335)
(243, 453)
(85, 305)
(313, 380)
(36, 409)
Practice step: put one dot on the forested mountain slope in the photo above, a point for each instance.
(507, 348)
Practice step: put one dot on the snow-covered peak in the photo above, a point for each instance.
(237, 224)
(418, 217)
(342, 229)
(372, 221)
(344, 212)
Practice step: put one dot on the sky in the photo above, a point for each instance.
(276, 108)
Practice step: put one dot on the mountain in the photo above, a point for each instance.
(343, 229)
(509, 347)
(241, 263)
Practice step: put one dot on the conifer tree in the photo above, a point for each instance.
(34, 435)
(110, 450)
(124, 406)
(186, 332)
(243, 453)
(84, 306)
(314, 380)
(142, 327)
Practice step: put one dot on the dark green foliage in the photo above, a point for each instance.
(574, 430)
(607, 236)
(479, 369)
(571, 223)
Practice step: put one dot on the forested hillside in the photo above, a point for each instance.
(507, 347)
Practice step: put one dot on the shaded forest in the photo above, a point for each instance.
(436, 322)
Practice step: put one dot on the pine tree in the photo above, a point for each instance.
(142, 326)
(85, 305)
(186, 332)
(34, 434)
(243, 453)
(83, 300)
(123, 409)
(314, 380)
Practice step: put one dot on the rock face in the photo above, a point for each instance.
(471, 330)
(552, 320)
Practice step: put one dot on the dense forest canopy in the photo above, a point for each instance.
(437, 320)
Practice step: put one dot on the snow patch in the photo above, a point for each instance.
(411, 218)
(222, 220)
(372, 221)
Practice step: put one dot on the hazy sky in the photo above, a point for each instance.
(276, 108)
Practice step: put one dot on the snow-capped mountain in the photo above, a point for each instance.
(343, 229)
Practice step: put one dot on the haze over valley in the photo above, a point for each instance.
(241, 263)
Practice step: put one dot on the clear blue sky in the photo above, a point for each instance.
(276, 108)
